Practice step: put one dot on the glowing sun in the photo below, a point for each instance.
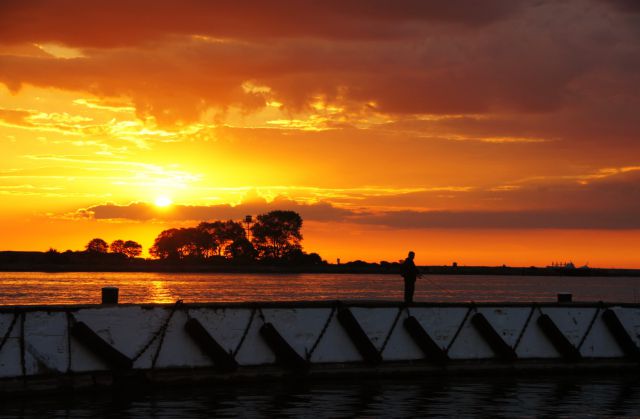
(162, 201)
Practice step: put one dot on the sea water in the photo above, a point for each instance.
(18, 288)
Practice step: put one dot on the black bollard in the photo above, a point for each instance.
(109, 295)
(564, 297)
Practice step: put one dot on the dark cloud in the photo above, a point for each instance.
(123, 22)
(143, 211)
(506, 220)
(608, 203)
(574, 130)
(591, 198)
(613, 194)
(632, 6)
(542, 219)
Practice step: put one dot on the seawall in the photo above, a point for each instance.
(46, 348)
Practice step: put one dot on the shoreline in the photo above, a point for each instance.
(16, 261)
(325, 269)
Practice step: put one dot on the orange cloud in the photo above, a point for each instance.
(14, 117)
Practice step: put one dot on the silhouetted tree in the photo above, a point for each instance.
(298, 257)
(97, 246)
(53, 256)
(182, 243)
(117, 246)
(241, 250)
(198, 243)
(312, 259)
(223, 233)
(166, 245)
(132, 249)
(276, 237)
(127, 248)
(277, 234)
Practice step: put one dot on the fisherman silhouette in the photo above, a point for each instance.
(410, 273)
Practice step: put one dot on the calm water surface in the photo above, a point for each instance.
(528, 397)
(572, 397)
(84, 287)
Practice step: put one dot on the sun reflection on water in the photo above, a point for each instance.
(159, 293)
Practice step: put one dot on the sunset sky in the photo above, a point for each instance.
(486, 133)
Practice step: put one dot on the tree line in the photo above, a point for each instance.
(274, 237)
(127, 248)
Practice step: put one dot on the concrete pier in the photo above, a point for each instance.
(53, 347)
